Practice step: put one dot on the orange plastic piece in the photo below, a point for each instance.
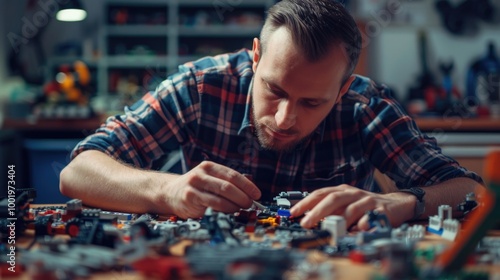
(492, 167)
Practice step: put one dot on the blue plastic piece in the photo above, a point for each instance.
(284, 212)
(438, 232)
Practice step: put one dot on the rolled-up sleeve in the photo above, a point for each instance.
(157, 124)
(395, 145)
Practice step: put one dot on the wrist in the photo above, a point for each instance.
(407, 205)
(419, 201)
(158, 196)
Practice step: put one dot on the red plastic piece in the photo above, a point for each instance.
(162, 267)
(357, 256)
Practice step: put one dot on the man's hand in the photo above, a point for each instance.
(210, 185)
(353, 203)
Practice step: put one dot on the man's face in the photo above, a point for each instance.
(291, 95)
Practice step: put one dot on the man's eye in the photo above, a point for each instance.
(310, 104)
(275, 93)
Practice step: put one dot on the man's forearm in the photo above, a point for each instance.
(451, 192)
(101, 181)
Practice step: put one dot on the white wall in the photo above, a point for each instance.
(394, 54)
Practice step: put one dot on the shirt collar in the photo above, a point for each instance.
(247, 122)
(319, 132)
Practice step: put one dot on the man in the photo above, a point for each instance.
(286, 116)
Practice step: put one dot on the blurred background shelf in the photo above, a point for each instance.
(45, 125)
(220, 31)
(451, 124)
(163, 34)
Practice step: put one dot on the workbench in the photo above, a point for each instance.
(340, 267)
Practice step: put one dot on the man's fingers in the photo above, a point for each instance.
(310, 201)
(203, 200)
(235, 178)
(225, 206)
(357, 210)
(330, 204)
(227, 190)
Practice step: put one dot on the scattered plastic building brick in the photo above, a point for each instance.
(409, 233)
(382, 228)
(292, 196)
(336, 225)
(443, 224)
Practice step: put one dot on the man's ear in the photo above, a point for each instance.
(345, 87)
(256, 53)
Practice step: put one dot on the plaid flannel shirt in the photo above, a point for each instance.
(204, 110)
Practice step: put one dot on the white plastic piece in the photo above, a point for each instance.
(451, 227)
(435, 223)
(444, 210)
(283, 203)
(336, 225)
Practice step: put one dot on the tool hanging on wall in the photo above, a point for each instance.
(425, 84)
(483, 82)
(445, 100)
(462, 19)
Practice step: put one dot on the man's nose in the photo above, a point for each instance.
(285, 116)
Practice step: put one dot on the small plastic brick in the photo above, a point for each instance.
(73, 209)
(270, 221)
(283, 203)
(426, 254)
(344, 246)
(246, 216)
(250, 228)
(336, 225)
(382, 228)
(284, 213)
(118, 215)
(43, 225)
(451, 227)
(397, 260)
(292, 196)
(469, 204)
(73, 227)
(162, 267)
(74, 205)
(315, 240)
(91, 213)
(409, 233)
(364, 254)
(436, 221)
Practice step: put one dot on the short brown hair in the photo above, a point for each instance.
(315, 25)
